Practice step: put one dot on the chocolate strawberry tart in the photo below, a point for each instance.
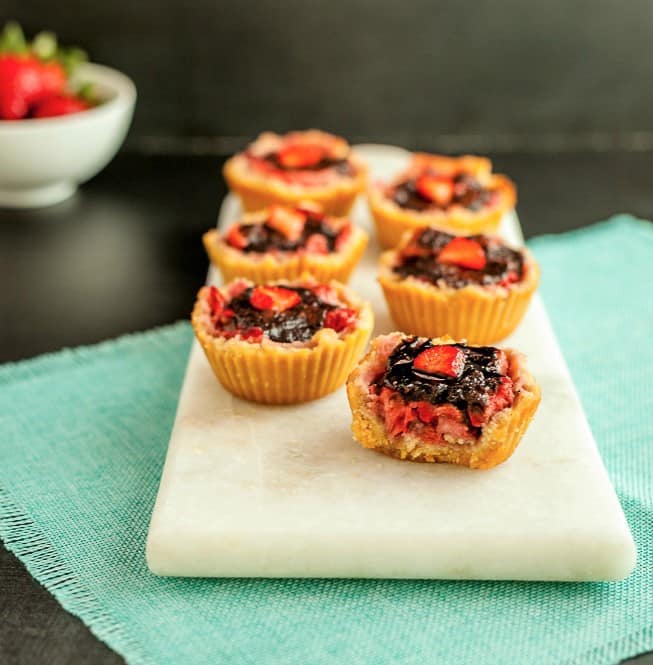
(457, 194)
(307, 165)
(433, 400)
(281, 343)
(475, 287)
(283, 242)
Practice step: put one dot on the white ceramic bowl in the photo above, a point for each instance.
(42, 161)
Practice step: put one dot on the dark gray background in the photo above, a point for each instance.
(461, 75)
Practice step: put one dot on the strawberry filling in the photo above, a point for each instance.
(302, 159)
(289, 230)
(429, 190)
(281, 313)
(441, 393)
(446, 260)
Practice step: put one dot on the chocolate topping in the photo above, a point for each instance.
(262, 237)
(480, 377)
(467, 192)
(297, 324)
(502, 263)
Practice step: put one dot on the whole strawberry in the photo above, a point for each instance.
(32, 73)
(60, 104)
(20, 85)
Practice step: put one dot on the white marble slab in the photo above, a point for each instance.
(249, 490)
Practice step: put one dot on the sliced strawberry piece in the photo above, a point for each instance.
(430, 413)
(463, 252)
(344, 236)
(216, 302)
(414, 250)
(510, 278)
(300, 155)
(287, 221)
(275, 298)
(253, 334)
(339, 319)
(435, 188)
(443, 359)
(447, 427)
(397, 415)
(317, 244)
(237, 287)
(235, 237)
(326, 294)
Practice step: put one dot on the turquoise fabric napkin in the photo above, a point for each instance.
(84, 435)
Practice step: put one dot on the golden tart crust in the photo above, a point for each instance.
(258, 190)
(392, 221)
(499, 438)
(277, 373)
(478, 314)
(270, 266)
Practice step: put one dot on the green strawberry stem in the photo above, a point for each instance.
(71, 58)
(12, 39)
(44, 45)
(86, 92)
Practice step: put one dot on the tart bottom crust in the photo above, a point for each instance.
(256, 192)
(499, 439)
(276, 374)
(267, 268)
(480, 315)
(392, 222)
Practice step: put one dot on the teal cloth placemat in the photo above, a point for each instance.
(83, 440)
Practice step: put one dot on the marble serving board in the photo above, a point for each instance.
(255, 491)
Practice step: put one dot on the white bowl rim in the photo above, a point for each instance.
(122, 87)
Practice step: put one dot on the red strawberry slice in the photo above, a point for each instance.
(288, 222)
(275, 298)
(444, 359)
(317, 244)
(430, 413)
(326, 294)
(435, 188)
(340, 319)
(216, 303)
(253, 334)
(414, 250)
(235, 237)
(510, 278)
(344, 236)
(397, 414)
(300, 155)
(463, 252)
(60, 104)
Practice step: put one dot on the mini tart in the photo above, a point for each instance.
(474, 288)
(433, 400)
(281, 343)
(456, 194)
(284, 243)
(289, 168)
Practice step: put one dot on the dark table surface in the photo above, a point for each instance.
(125, 254)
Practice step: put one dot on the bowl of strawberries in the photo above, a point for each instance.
(62, 119)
